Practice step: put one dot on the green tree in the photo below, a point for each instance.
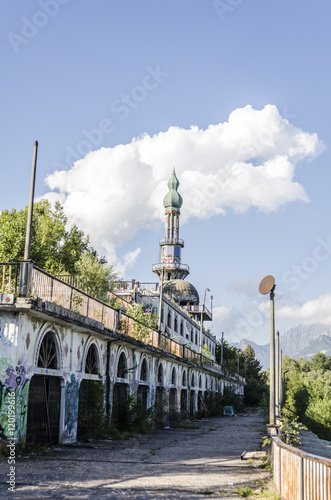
(307, 392)
(143, 322)
(56, 247)
(94, 276)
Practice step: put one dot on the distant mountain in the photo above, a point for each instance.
(262, 352)
(303, 340)
(320, 344)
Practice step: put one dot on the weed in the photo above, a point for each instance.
(212, 428)
(245, 491)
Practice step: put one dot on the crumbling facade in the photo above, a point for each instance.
(56, 340)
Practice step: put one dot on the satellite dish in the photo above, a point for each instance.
(267, 285)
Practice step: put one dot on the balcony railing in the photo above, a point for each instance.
(52, 289)
(171, 265)
(199, 309)
(9, 277)
(171, 241)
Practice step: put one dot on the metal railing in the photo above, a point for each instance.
(9, 277)
(299, 475)
(171, 265)
(171, 241)
(56, 291)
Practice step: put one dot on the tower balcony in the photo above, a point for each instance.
(171, 241)
(177, 271)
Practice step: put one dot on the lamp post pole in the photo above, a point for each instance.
(277, 376)
(201, 323)
(272, 357)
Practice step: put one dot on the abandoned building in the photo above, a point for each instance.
(56, 340)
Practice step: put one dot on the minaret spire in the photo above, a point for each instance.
(170, 247)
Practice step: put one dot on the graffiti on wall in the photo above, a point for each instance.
(71, 406)
(14, 386)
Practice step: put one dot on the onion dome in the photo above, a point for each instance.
(173, 199)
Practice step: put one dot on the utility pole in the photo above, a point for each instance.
(25, 271)
(280, 380)
(30, 209)
(277, 375)
(222, 348)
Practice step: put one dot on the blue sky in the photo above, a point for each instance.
(252, 77)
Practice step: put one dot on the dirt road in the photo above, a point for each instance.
(187, 464)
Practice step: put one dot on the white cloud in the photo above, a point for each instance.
(312, 311)
(248, 161)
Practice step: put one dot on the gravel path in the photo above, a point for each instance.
(187, 464)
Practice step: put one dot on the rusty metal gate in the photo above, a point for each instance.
(43, 411)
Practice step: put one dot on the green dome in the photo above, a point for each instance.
(173, 198)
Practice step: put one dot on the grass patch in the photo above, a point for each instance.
(245, 491)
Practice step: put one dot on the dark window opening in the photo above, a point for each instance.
(122, 366)
(91, 363)
(143, 371)
(173, 376)
(48, 353)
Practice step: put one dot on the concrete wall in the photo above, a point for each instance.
(21, 337)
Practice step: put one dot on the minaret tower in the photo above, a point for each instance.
(169, 266)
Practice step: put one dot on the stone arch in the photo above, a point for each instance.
(192, 380)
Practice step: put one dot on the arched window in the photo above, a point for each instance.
(92, 361)
(196, 338)
(181, 328)
(143, 371)
(200, 382)
(48, 355)
(176, 324)
(122, 371)
(206, 382)
(169, 319)
(162, 314)
(191, 334)
(184, 377)
(212, 384)
(173, 376)
(193, 380)
(160, 375)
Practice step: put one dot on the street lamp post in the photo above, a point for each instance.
(267, 285)
(201, 323)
